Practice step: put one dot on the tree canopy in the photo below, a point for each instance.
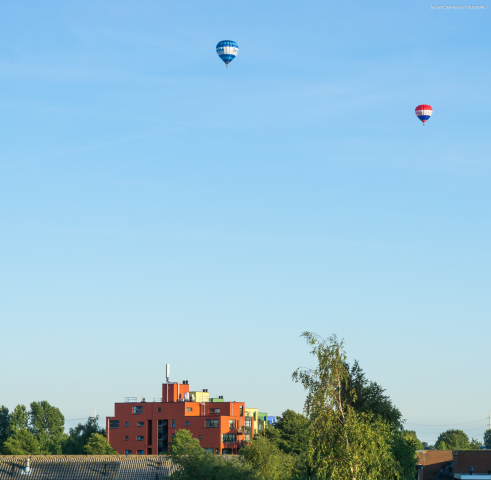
(194, 463)
(98, 445)
(267, 460)
(4, 426)
(79, 436)
(47, 424)
(368, 396)
(453, 440)
(22, 442)
(39, 430)
(487, 439)
(344, 443)
(291, 432)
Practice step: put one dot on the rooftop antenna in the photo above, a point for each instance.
(167, 374)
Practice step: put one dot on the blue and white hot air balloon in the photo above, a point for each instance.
(227, 50)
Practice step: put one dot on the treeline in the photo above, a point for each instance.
(41, 431)
(458, 440)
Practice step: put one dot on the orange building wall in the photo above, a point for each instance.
(176, 409)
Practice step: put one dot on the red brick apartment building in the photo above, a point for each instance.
(147, 428)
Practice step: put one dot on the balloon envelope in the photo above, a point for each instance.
(227, 50)
(423, 112)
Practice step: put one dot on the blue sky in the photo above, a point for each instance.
(157, 207)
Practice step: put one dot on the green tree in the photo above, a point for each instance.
(452, 440)
(404, 446)
(98, 445)
(291, 435)
(194, 463)
(4, 426)
(267, 460)
(19, 419)
(293, 432)
(417, 442)
(367, 396)
(22, 442)
(47, 424)
(487, 438)
(344, 444)
(475, 444)
(79, 436)
(184, 443)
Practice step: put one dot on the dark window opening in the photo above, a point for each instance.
(163, 436)
(140, 424)
(231, 424)
(149, 432)
(113, 423)
(137, 410)
(229, 438)
(140, 438)
(211, 423)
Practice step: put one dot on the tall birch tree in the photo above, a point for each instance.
(344, 444)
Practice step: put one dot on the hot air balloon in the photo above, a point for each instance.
(227, 50)
(423, 112)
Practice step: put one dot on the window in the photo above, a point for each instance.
(209, 450)
(227, 451)
(247, 437)
(211, 423)
(126, 438)
(173, 424)
(127, 424)
(140, 452)
(187, 424)
(248, 422)
(229, 438)
(113, 423)
(189, 409)
(231, 424)
(200, 438)
(137, 410)
(241, 411)
(140, 437)
(159, 409)
(214, 410)
(173, 436)
(140, 424)
(254, 416)
(127, 452)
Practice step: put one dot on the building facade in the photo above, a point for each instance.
(147, 428)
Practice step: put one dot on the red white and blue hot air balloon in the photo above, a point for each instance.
(423, 112)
